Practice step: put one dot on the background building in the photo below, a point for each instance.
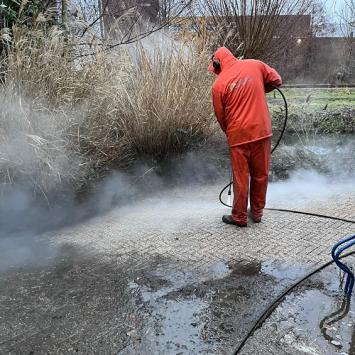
(326, 57)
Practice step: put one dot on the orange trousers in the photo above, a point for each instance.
(250, 166)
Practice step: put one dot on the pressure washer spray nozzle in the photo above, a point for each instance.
(229, 198)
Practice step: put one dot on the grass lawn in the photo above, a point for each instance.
(314, 99)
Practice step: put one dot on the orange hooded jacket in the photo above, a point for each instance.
(239, 97)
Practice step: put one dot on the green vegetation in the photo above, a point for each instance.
(315, 110)
(318, 99)
(20, 12)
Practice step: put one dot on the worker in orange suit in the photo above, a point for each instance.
(241, 109)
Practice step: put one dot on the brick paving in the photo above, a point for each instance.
(180, 225)
(188, 227)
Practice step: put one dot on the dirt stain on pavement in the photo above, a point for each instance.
(81, 304)
(85, 304)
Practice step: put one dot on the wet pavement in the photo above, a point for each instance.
(315, 318)
(166, 276)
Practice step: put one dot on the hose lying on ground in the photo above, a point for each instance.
(266, 314)
(312, 214)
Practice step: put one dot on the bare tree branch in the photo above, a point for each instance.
(265, 27)
(132, 30)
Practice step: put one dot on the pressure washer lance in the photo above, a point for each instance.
(229, 186)
(229, 197)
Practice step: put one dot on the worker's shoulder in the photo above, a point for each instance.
(253, 62)
(218, 84)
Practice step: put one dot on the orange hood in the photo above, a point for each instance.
(225, 57)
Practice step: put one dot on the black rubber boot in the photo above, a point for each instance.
(229, 220)
(254, 219)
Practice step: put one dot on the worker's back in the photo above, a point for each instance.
(240, 90)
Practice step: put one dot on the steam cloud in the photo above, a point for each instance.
(24, 145)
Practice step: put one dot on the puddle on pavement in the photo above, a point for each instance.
(315, 319)
(174, 323)
(210, 310)
(282, 271)
(205, 310)
(218, 270)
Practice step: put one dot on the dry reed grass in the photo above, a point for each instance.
(166, 107)
(76, 118)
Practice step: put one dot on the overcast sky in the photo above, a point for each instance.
(333, 5)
